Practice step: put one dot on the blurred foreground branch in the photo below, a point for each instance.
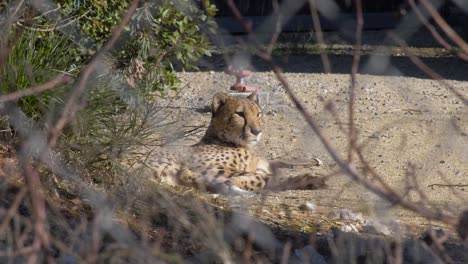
(426, 69)
(51, 84)
(41, 234)
(448, 30)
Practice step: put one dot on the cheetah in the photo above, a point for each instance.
(224, 161)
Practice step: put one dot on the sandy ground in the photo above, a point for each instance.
(406, 126)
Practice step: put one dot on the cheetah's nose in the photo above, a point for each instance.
(256, 131)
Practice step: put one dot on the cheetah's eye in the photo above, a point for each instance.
(241, 114)
(259, 114)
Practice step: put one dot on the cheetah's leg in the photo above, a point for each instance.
(234, 182)
(304, 181)
(300, 182)
(289, 164)
(249, 181)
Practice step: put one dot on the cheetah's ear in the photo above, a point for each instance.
(254, 97)
(218, 100)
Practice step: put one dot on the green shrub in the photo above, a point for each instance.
(160, 35)
(37, 57)
(96, 19)
(163, 33)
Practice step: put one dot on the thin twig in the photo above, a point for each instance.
(20, 252)
(319, 35)
(397, 257)
(426, 69)
(445, 26)
(41, 239)
(13, 209)
(286, 252)
(96, 239)
(5, 47)
(51, 84)
(274, 37)
(433, 30)
(42, 14)
(354, 70)
(55, 26)
(438, 243)
(447, 185)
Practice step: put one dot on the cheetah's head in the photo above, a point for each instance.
(235, 120)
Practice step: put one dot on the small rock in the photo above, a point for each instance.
(347, 215)
(373, 226)
(308, 207)
(349, 228)
(297, 131)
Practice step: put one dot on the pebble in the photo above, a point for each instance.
(308, 207)
(349, 228)
(347, 214)
(375, 135)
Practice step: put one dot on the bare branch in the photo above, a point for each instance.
(447, 185)
(12, 210)
(4, 42)
(426, 69)
(433, 30)
(319, 35)
(54, 27)
(51, 84)
(354, 70)
(278, 28)
(41, 239)
(445, 27)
